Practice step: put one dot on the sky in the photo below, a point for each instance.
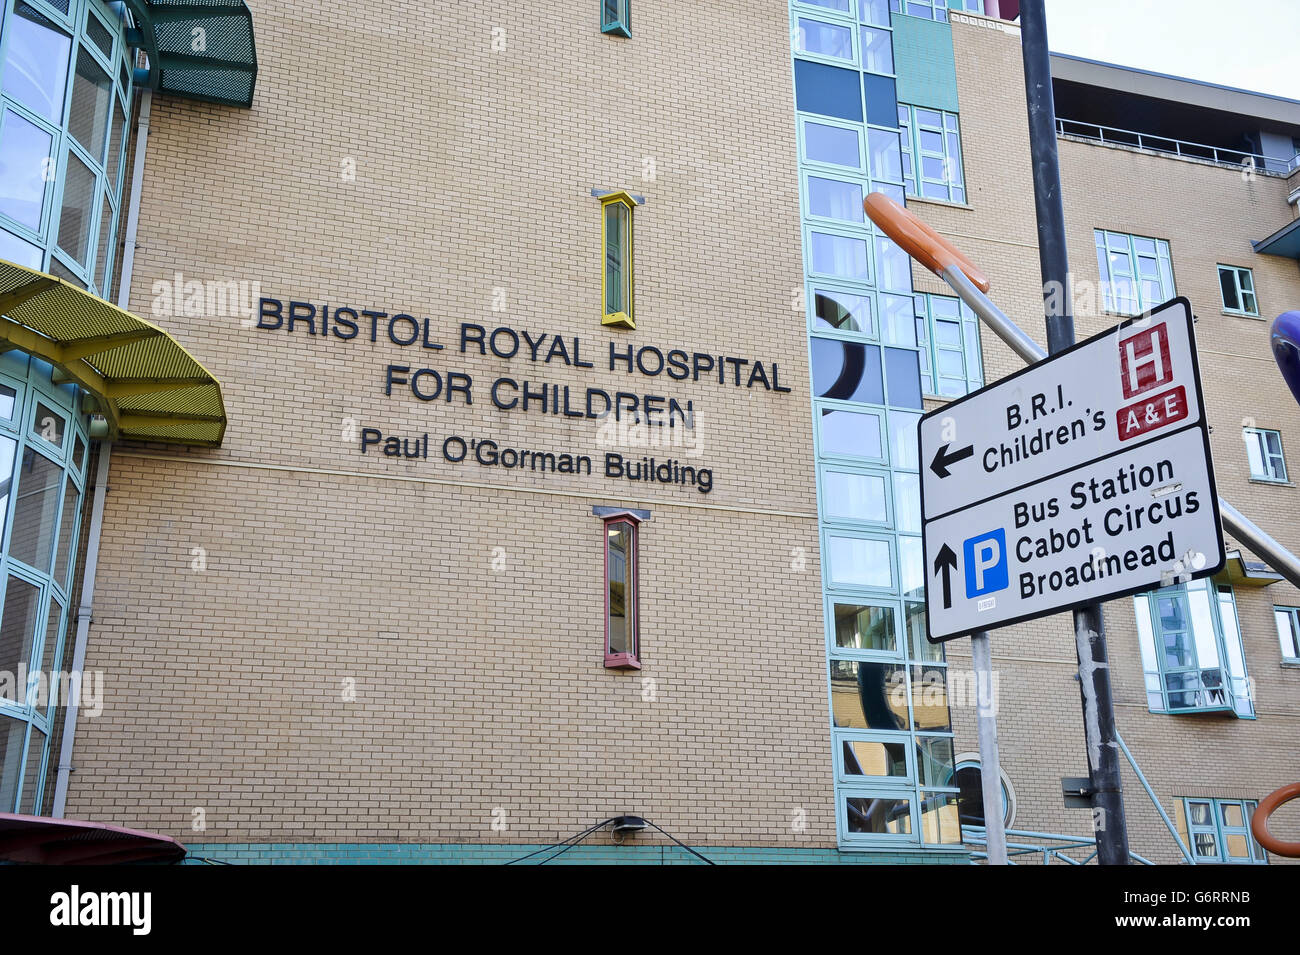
(1250, 45)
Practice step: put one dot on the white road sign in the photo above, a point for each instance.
(1083, 477)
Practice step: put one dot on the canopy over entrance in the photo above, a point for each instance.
(198, 49)
(148, 388)
(46, 841)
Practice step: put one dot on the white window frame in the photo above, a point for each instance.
(1139, 300)
(1271, 464)
(1237, 272)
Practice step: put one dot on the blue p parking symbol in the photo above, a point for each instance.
(986, 563)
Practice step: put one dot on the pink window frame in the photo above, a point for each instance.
(632, 660)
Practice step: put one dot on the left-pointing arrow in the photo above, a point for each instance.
(942, 458)
(945, 562)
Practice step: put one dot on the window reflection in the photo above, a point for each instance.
(930, 698)
(92, 89)
(940, 822)
(854, 497)
(850, 434)
(859, 627)
(872, 758)
(878, 815)
(847, 371)
(621, 582)
(12, 734)
(36, 510)
(36, 62)
(859, 562)
(842, 311)
(24, 169)
(831, 144)
(868, 695)
(18, 624)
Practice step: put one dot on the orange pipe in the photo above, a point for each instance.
(919, 240)
(1259, 824)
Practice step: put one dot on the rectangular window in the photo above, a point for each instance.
(948, 334)
(1237, 287)
(1136, 272)
(877, 50)
(1218, 830)
(622, 620)
(1264, 452)
(819, 38)
(925, 9)
(932, 166)
(616, 239)
(1288, 632)
(616, 17)
(1191, 650)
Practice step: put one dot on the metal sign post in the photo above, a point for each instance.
(1089, 629)
(995, 828)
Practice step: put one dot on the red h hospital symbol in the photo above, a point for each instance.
(1144, 361)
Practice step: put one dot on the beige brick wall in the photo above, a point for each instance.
(1209, 215)
(473, 172)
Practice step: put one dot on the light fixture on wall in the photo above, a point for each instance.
(624, 826)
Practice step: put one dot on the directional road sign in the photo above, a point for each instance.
(1083, 477)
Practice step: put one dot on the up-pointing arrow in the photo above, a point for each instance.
(945, 562)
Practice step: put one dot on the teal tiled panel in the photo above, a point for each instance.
(923, 60)
(418, 854)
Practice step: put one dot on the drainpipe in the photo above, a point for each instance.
(83, 629)
(101, 473)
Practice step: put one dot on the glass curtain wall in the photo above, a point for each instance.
(891, 732)
(65, 87)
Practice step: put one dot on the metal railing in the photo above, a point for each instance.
(1049, 847)
(1179, 148)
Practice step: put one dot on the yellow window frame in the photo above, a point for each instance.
(622, 318)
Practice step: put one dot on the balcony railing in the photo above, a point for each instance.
(1198, 690)
(1179, 148)
(1040, 848)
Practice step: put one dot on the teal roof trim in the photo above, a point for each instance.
(199, 49)
(1285, 241)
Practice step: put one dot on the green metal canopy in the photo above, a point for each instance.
(198, 49)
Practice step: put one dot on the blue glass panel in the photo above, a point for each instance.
(903, 372)
(882, 102)
(849, 371)
(829, 90)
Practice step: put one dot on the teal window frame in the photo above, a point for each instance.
(892, 471)
(1196, 685)
(1202, 836)
(917, 184)
(968, 350)
(858, 219)
(32, 379)
(616, 17)
(1242, 281)
(1287, 620)
(1141, 264)
(799, 33)
(936, 10)
(1268, 462)
(96, 273)
(815, 165)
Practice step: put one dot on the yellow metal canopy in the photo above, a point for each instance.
(148, 387)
